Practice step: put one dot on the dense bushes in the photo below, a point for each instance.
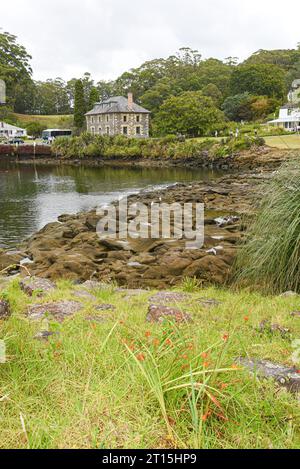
(270, 258)
(168, 147)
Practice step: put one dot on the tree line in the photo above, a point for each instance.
(185, 93)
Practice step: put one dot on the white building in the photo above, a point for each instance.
(289, 115)
(11, 131)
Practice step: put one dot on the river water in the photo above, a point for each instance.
(32, 196)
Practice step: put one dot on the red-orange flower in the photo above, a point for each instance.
(169, 342)
(225, 337)
(206, 416)
(148, 334)
(204, 355)
(246, 318)
(141, 357)
(155, 342)
(206, 364)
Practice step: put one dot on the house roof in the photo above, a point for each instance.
(116, 104)
(4, 125)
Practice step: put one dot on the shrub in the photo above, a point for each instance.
(270, 257)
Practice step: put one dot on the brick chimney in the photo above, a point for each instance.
(130, 101)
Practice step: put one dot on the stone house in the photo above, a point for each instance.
(118, 116)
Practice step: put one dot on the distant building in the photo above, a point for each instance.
(289, 114)
(118, 116)
(9, 131)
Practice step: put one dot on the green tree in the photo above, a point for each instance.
(94, 97)
(15, 66)
(258, 79)
(79, 105)
(35, 129)
(191, 114)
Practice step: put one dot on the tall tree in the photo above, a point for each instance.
(258, 79)
(94, 97)
(15, 67)
(79, 105)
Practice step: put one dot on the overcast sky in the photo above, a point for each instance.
(107, 37)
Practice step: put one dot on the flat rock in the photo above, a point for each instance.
(295, 314)
(266, 326)
(44, 335)
(59, 310)
(31, 285)
(105, 307)
(208, 302)
(288, 294)
(94, 285)
(158, 313)
(163, 297)
(287, 378)
(85, 295)
(5, 311)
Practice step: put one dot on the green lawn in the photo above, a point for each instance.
(125, 383)
(50, 122)
(284, 141)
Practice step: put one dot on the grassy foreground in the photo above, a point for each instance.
(126, 383)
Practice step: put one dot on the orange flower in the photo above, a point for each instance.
(246, 318)
(185, 356)
(155, 342)
(206, 364)
(132, 346)
(141, 357)
(234, 366)
(225, 337)
(169, 342)
(223, 386)
(148, 334)
(204, 355)
(206, 416)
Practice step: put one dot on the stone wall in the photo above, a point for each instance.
(114, 124)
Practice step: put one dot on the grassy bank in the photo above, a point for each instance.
(126, 383)
(88, 145)
(49, 122)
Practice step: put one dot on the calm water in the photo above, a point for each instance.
(31, 196)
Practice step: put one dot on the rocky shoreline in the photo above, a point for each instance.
(70, 248)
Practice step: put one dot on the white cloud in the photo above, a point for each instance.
(106, 37)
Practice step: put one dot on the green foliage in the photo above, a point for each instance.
(15, 67)
(35, 129)
(258, 79)
(93, 98)
(190, 114)
(79, 105)
(270, 258)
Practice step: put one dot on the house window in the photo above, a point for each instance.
(107, 118)
(92, 120)
(100, 131)
(99, 119)
(107, 130)
(138, 130)
(138, 118)
(93, 130)
(125, 130)
(124, 118)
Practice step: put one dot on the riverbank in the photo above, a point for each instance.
(79, 358)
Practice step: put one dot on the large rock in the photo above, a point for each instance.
(40, 286)
(159, 313)
(5, 311)
(60, 310)
(287, 377)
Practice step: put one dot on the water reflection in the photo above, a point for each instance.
(31, 196)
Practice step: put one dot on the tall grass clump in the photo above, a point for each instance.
(270, 257)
